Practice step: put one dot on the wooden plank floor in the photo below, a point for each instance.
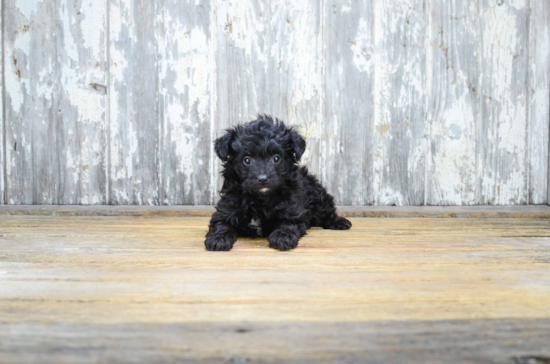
(143, 289)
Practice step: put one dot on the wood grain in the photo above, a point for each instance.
(468, 341)
(402, 102)
(186, 63)
(347, 152)
(399, 138)
(517, 212)
(55, 102)
(134, 113)
(30, 103)
(113, 288)
(81, 97)
(504, 166)
(3, 127)
(539, 101)
(453, 102)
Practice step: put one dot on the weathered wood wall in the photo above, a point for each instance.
(405, 102)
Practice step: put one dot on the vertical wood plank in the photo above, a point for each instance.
(503, 164)
(347, 145)
(539, 101)
(268, 60)
(134, 118)
(54, 52)
(81, 97)
(399, 135)
(30, 102)
(3, 127)
(453, 102)
(185, 101)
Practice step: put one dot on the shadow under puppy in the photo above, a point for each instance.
(265, 193)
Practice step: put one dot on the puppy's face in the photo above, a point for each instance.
(262, 168)
(260, 155)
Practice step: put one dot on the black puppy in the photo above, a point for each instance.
(265, 192)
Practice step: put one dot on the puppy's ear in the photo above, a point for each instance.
(298, 144)
(222, 145)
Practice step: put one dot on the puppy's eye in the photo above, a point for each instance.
(276, 158)
(247, 161)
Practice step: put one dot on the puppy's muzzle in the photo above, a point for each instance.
(262, 179)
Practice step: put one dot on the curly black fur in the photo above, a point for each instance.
(265, 193)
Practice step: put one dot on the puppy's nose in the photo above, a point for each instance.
(262, 178)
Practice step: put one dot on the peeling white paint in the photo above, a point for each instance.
(186, 69)
(398, 135)
(455, 155)
(92, 26)
(44, 88)
(388, 197)
(14, 86)
(274, 54)
(361, 55)
(16, 76)
(28, 7)
(70, 47)
(517, 4)
(237, 19)
(453, 105)
(22, 42)
(539, 103)
(504, 102)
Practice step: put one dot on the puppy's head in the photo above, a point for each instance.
(260, 156)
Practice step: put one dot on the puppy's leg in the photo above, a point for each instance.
(327, 211)
(335, 222)
(220, 236)
(322, 208)
(286, 236)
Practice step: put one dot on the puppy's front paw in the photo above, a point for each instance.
(219, 243)
(340, 223)
(283, 239)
